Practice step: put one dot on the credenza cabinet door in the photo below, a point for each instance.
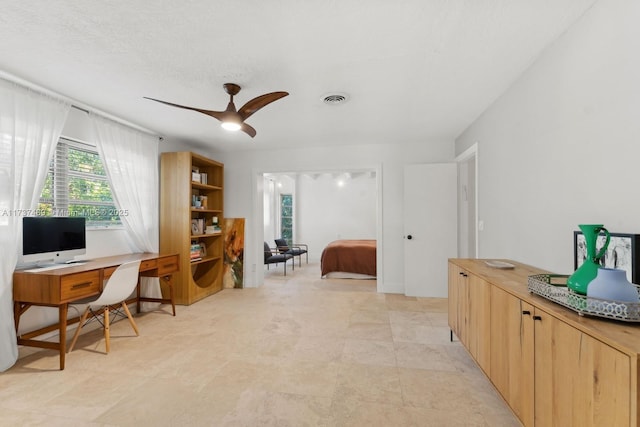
(458, 302)
(469, 313)
(512, 352)
(579, 381)
(479, 326)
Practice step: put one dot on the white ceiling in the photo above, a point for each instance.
(415, 70)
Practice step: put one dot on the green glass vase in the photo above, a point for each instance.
(580, 279)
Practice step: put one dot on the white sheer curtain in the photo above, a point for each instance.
(130, 159)
(30, 125)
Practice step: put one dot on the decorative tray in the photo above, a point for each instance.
(499, 264)
(554, 288)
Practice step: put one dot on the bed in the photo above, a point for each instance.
(349, 259)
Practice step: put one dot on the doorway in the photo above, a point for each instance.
(327, 205)
(468, 203)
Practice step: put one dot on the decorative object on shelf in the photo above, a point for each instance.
(553, 287)
(233, 253)
(612, 284)
(197, 226)
(580, 279)
(195, 174)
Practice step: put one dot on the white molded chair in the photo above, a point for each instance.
(118, 288)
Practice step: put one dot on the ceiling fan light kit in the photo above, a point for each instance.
(232, 119)
(231, 126)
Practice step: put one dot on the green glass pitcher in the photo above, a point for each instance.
(580, 279)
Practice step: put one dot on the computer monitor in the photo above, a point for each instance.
(52, 239)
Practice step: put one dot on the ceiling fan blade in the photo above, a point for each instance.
(257, 103)
(216, 114)
(248, 130)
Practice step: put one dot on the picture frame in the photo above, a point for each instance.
(622, 252)
(197, 226)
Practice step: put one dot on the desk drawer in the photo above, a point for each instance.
(80, 285)
(148, 264)
(168, 265)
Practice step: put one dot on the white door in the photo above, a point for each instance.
(430, 227)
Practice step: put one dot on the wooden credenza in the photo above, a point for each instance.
(59, 287)
(552, 366)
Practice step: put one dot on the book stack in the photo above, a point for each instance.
(196, 252)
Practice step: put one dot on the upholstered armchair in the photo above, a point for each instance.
(273, 256)
(296, 249)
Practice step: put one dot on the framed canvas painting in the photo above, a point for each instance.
(622, 252)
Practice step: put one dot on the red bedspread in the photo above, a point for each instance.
(352, 256)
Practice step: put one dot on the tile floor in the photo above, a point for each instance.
(298, 351)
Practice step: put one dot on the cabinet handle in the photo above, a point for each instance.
(537, 318)
(80, 285)
(526, 312)
(461, 273)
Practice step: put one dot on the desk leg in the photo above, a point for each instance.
(138, 311)
(16, 315)
(63, 310)
(169, 280)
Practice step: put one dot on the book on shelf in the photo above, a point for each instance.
(203, 178)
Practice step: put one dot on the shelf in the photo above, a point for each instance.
(200, 236)
(205, 210)
(200, 186)
(206, 259)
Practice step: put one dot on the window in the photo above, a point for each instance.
(286, 217)
(77, 185)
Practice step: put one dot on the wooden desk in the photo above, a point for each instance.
(59, 287)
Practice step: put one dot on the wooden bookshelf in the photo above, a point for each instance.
(179, 195)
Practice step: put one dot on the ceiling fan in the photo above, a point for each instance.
(231, 118)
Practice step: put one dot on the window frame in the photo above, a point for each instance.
(283, 196)
(60, 202)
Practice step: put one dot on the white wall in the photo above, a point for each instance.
(327, 211)
(242, 168)
(561, 146)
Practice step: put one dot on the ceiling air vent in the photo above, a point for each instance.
(335, 98)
